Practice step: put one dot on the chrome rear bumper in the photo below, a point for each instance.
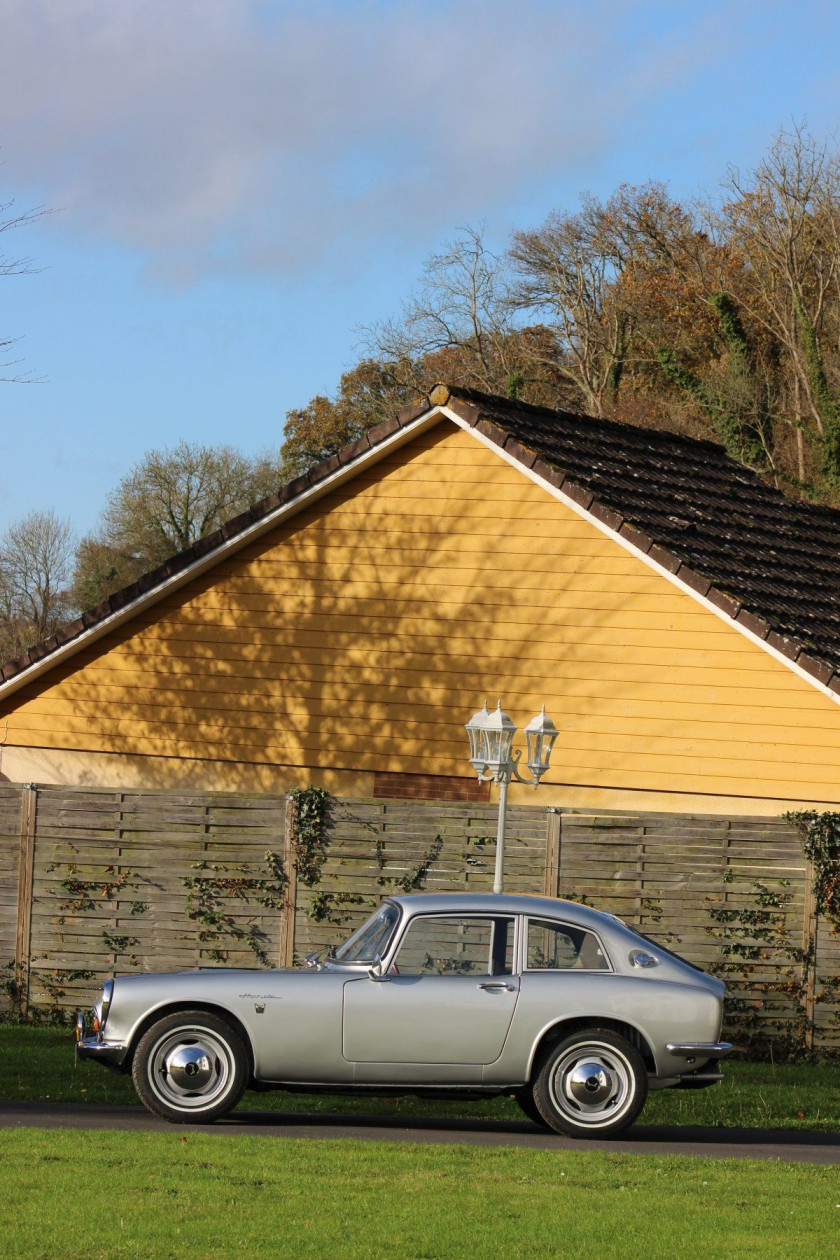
(700, 1049)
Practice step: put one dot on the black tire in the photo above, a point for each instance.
(190, 1068)
(525, 1098)
(591, 1084)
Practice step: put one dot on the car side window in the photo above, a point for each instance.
(561, 947)
(456, 945)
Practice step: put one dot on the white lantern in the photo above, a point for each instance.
(499, 731)
(540, 734)
(475, 730)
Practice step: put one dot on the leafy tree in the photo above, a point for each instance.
(368, 394)
(736, 397)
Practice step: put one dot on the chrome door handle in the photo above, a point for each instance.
(510, 988)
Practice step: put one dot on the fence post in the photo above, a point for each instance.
(287, 927)
(26, 872)
(810, 929)
(553, 834)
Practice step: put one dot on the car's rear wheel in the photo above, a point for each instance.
(591, 1084)
(190, 1067)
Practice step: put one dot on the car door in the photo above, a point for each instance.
(448, 999)
(566, 972)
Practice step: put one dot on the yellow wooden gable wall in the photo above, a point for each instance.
(362, 634)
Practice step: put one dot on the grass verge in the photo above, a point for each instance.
(37, 1064)
(121, 1194)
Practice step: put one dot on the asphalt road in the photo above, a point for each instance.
(790, 1145)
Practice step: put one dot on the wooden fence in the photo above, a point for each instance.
(97, 882)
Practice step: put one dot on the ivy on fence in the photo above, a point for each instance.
(766, 974)
(215, 886)
(820, 836)
(86, 895)
(315, 816)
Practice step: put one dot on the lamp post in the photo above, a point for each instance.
(491, 744)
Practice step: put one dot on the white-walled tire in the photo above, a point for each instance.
(190, 1068)
(591, 1084)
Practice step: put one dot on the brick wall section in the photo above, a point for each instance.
(428, 787)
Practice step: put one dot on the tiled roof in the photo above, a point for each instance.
(769, 563)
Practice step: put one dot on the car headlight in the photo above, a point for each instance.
(100, 1010)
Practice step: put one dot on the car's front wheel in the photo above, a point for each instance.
(592, 1084)
(190, 1067)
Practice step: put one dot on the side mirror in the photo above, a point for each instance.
(376, 972)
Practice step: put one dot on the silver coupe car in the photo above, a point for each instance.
(445, 994)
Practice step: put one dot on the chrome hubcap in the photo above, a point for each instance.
(592, 1084)
(190, 1068)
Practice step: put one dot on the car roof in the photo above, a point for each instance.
(501, 903)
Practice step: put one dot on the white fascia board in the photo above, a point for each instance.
(223, 552)
(641, 555)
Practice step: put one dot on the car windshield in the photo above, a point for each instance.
(371, 938)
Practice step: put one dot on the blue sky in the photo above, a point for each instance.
(239, 185)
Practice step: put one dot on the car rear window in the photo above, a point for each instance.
(560, 947)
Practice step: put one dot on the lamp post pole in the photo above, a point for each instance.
(491, 742)
(499, 876)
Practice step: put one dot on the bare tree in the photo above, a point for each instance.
(169, 500)
(783, 220)
(15, 266)
(175, 496)
(36, 557)
(462, 311)
(567, 273)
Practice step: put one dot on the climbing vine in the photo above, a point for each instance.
(820, 836)
(312, 823)
(86, 895)
(337, 907)
(767, 975)
(415, 878)
(54, 981)
(210, 892)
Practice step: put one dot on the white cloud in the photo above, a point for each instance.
(221, 135)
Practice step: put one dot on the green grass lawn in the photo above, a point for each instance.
(120, 1195)
(38, 1064)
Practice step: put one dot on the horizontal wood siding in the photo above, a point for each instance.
(365, 631)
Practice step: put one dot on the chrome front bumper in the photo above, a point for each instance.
(91, 1045)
